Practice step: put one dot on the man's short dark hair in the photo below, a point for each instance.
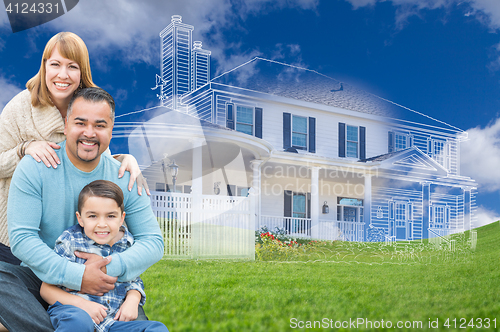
(101, 188)
(94, 95)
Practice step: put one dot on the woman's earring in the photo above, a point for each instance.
(81, 85)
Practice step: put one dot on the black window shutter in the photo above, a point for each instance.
(288, 203)
(312, 135)
(362, 143)
(258, 122)
(341, 139)
(287, 130)
(391, 142)
(230, 115)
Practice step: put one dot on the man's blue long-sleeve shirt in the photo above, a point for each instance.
(42, 204)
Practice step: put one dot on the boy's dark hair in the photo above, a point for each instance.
(101, 188)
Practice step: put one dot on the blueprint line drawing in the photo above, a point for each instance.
(268, 144)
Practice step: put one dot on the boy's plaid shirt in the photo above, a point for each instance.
(74, 239)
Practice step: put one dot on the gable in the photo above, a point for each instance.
(414, 163)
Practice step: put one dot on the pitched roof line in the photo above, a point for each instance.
(318, 73)
(134, 112)
(422, 114)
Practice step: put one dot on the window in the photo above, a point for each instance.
(349, 209)
(244, 119)
(243, 191)
(401, 214)
(352, 142)
(437, 149)
(299, 132)
(399, 141)
(439, 216)
(299, 205)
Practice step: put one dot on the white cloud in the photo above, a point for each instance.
(132, 27)
(484, 217)
(480, 156)
(486, 11)
(7, 91)
(491, 10)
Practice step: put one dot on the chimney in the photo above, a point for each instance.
(176, 19)
(197, 45)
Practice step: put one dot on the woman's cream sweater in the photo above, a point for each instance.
(19, 122)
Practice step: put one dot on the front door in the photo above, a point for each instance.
(401, 221)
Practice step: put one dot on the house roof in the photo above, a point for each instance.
(279, 79)
(381, 157)
(152, 115)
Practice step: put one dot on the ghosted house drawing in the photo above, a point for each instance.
(270, 144)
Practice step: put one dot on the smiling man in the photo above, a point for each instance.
(42, 204)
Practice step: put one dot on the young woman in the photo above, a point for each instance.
(33, 121)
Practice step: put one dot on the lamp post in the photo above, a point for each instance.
(174, 170)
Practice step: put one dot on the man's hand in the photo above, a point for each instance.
(95, 281)
(90, 258)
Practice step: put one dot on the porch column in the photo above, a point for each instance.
(197, 200)
(256, 190)
(467, 208)
(315, 202)
(426, 198)
(367, 204)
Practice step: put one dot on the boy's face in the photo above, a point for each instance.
(101, 219)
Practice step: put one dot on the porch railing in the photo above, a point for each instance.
(219, 227)
(326, 229)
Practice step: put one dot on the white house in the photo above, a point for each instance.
(273, 144)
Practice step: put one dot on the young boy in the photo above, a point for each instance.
(99, 231)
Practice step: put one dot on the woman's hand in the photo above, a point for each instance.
(43, 151)
(129, 163)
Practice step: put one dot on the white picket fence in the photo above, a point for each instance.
(326, 229)
(220, 227)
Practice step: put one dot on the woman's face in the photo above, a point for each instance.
(62, 77)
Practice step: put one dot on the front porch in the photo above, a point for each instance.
(224, 226)
(326, 229)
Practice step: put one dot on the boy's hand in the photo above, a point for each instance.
(127, 312)
(96, 311)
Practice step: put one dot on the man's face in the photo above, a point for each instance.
(88, 133)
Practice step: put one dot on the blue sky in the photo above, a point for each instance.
(439, 57)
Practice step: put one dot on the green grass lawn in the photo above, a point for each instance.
(221, 295)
